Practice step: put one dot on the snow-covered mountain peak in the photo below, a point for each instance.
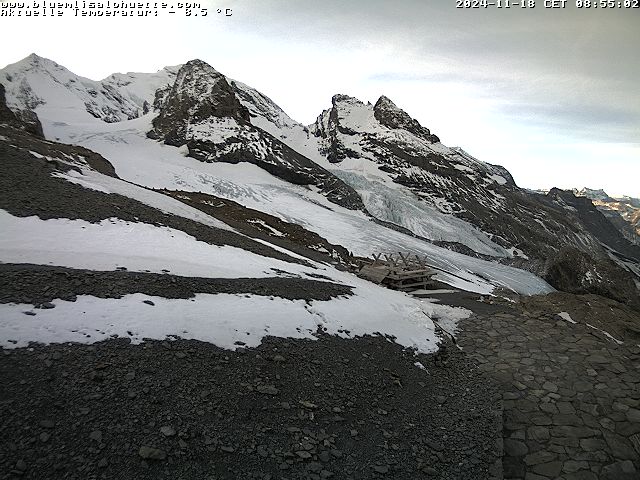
(593, 194)
(353, 129)
(141, 88)
(124, 79)
(53, 92)
(203, 111)
(351, 117)
(262, 108)
(352, 113)
(199, 101)
(20, 94)
(340, 98)
(34, 61)
(197, 77)
(206, 92)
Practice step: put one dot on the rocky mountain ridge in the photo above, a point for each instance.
(202, 111)
(373, 158)
(538, 230)
(623, 212)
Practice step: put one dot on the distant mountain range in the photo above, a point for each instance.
(623, 212)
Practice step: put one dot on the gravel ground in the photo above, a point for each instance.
(37, 284)
(289, 409)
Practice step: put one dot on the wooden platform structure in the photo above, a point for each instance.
(399, 271)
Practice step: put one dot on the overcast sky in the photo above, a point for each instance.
(551, 94)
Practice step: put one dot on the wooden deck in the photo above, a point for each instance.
(400, 271)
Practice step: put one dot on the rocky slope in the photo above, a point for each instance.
(568, 367)
(623, 212)
(533, 229)
(332, 408)
(22, 119)
(141, 88)
(202, 111)
(596, 222)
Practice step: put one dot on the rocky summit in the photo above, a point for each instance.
(195, 285)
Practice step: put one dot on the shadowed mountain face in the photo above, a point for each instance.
(596, 222)
(623, 212)
(23, 119)
(389, 115)
(199, 94)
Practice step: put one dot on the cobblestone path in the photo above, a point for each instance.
(571, 395)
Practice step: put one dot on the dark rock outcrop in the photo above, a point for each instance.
(574, 271)
(623, 212)
(389, 115)
(199, 93)
(6, 115)
(328, 127)
(25, 120)
(257, 224)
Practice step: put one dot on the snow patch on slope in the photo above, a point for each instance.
(116, 243)
(103, 183)
(445, 316)
(221, 319)
(567, 317)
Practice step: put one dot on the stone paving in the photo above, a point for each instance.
(571, 394)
